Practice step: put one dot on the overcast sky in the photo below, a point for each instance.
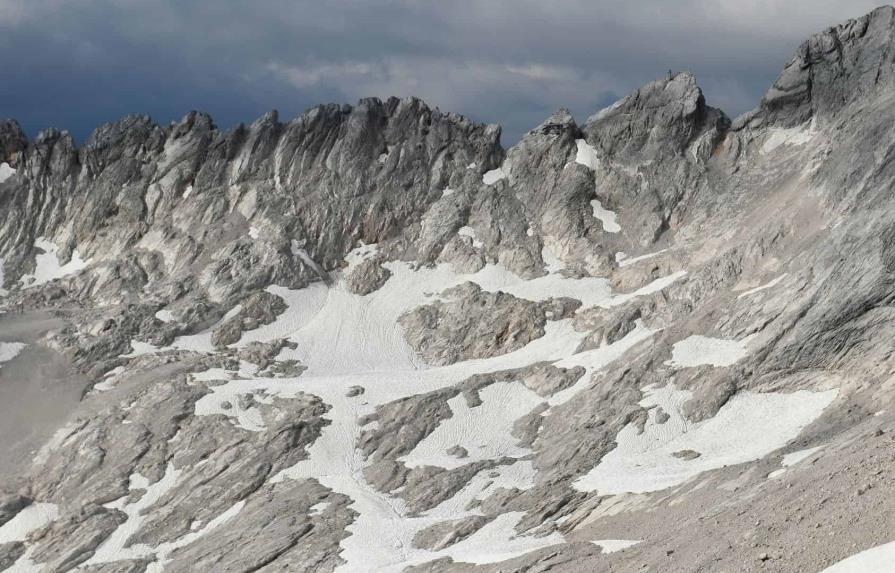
(75, 64)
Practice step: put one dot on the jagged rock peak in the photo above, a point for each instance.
(662, 117)
(559, 122)
(832, 69)
(12, 141)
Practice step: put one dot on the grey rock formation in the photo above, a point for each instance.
(590, 327)
(472, 324)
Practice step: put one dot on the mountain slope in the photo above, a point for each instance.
(371, 339)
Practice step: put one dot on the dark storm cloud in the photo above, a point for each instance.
(77, 63)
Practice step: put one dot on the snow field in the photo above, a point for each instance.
(748, 427)
(48, 267)
(698, 350)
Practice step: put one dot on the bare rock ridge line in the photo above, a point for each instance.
(372, 339)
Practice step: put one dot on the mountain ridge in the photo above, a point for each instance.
(370, 338)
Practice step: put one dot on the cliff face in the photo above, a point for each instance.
(371, 339)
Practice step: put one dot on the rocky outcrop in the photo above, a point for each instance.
(832, 69)
(472, 324)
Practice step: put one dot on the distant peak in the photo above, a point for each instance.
(833, 68)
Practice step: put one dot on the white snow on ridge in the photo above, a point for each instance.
(493, 176)
(254, 233)
(6, 171)
(607, 217)
(747, 428)
(700, 350)
(9, 350)
(586, 155)
(48, 267)
(879, 559)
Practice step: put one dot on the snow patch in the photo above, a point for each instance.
(139, 348)
(493, 176)
(793, 458)
(302, 254)
(798, 135)
(876, 560)
(3, 291)
(9, 350)
(447, 192)
(254, 233)
(698, 350)
(748, 427)
(607, 217)
(165, 315)
(469, 232)
(188, 191)
(765, 286)
(29, 519)
(586, 155)
(624, 261)
(552, 263)
(48, 267)
(613, 545)
(6, 171)
(318, 508)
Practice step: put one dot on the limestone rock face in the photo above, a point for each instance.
(472, 324)
(372, 339)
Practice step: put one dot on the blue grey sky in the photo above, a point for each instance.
(75, 64)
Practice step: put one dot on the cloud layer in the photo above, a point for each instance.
(77, 63)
